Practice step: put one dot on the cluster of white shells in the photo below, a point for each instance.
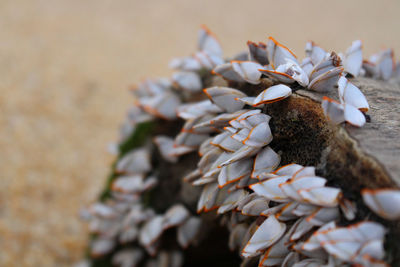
(285, 215)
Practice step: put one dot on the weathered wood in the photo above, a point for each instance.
(380, 138)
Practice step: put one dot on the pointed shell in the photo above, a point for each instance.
(278, 53)
(384, 202)
(225, 98)
(248, 70)
(208, 42)
(265, 236)
(258, 52)
(265, 162)
(354, 116)
(136, 161)
(326, 81)
(353, 58)
(151, 231)
(174, 216)
(333, 110)
(188, 231)
(187, 80)
(350, 94)
(273, 94)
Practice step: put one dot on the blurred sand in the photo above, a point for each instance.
(64, 70)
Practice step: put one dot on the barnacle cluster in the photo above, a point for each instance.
(276, 215)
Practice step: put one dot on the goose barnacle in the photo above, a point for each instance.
(285, 215)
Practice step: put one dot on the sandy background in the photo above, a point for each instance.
(65, 67)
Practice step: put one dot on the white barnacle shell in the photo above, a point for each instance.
(136, 161)
(234, 172)
(265, 236)
(314, 243)
(352, 61)
(187, 80)
(315, 53)
(195, 110)
(286, 212)
(373, 250)
(225, 141)
(258, 136)
(288, 73)
(188, 231)
(207, 198)
(304, 171)
(227, 72)
(102, 210)
(333, 110)
(243, 152)
(186, 64)
(310, 263)
(273, 94)
(128, 234)
(300, 228)
(174, 216)
(208, 42)
(353, 115)
(321, 196)
(128, 184)
(220, 120)
(232, 201)
(255, 207)
(128, 257)
(258, 52)
(189, 138)
(169, 150)
(323, 215)
(136, 115)
(289, 169)
(307, 65)
(208, 60)
(384, 202)
(276, 254)
(328, 63)
(278, 53)
(249, 119)
(339, 113)
(238, 121)
(101, 246)
(292, 187)
(225, 98)
(150, 87)
(162, 105)
(151, 231)
(265, 162)
(380, 65)
(351, 94)
(271, 190)
(304, 209)
(346, 242)
(248, 70)
(291, 259)
(326, 81)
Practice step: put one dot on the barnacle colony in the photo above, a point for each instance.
(277, 214)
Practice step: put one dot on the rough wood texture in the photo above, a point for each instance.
(379, 138)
